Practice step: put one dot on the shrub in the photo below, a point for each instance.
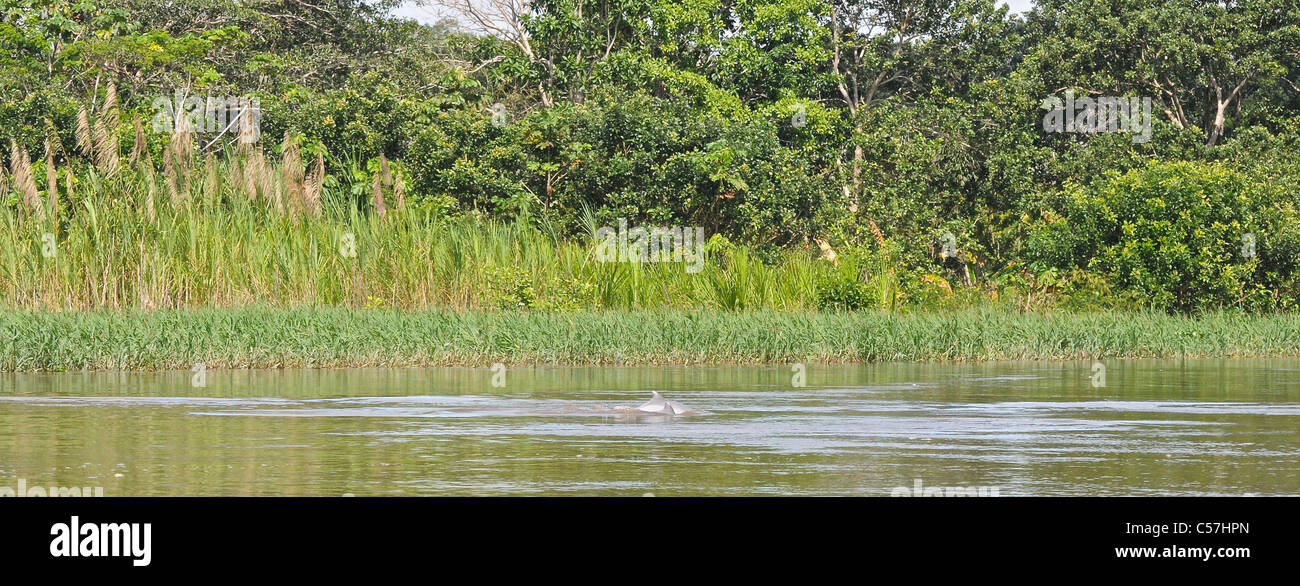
(863, 279)
(1177, 236)
(843, 294)
(510, 288)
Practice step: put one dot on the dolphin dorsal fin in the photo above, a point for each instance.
(656, 404)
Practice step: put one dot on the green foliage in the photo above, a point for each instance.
(626, 156)
(123, 244)
(770, 122)
(862, 279)
(843, 294)
(327, 337)
(509, 288)
(1181, 236)
(569, 294)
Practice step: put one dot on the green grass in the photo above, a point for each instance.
(262, 337)
(216, 276)
(232, 252)
(217, 248)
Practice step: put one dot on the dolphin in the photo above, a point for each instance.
(658, 404)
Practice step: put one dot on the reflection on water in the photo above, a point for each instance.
(1030, 428)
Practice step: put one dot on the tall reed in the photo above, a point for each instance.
(237, 230)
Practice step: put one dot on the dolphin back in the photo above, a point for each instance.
(658, 404)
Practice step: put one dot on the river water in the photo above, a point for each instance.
(1204, 427)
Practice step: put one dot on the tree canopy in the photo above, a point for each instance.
(771, 122)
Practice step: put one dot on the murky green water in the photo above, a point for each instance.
(1221, 427)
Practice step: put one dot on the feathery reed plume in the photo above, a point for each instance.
(387, 170)
(315, 184)
(141, 146)
(182, 141)
(170, 176)
(399, 191)
(54, 146)
(20, 166)
(182, 146)
(828, 253)
(247, 132)
(377, 196)
(252, 170)
(4, 183)
(83, 132)
(875, 232)
(259, 179)
(270, 188)
(67, 185)
(235, 171)
(51, 178)
(210, 178)
(106, 157)
(291, 173)
(151, 187)
(111, 115)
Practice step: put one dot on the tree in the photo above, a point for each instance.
(1202, 61)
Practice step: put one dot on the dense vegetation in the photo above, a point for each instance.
(257, 337)
(471, 161)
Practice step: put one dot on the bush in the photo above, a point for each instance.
(843, 294)
(509, 288)
(863, 279)
(1177, 236)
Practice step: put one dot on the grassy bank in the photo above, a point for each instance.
(272, 338)
(240, 231)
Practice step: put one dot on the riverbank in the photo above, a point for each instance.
(261, 337)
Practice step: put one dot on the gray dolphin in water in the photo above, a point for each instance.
(658, 404)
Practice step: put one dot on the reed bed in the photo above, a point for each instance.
(238, 261)
(230, 231)
(266, 337)
(107, 255)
